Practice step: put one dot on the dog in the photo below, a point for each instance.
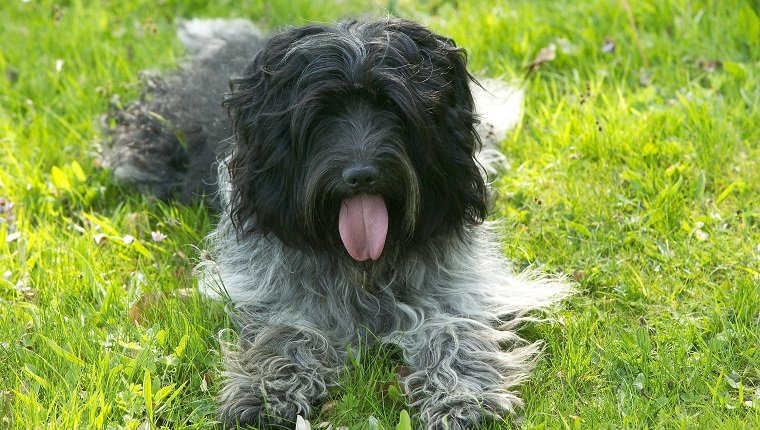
(352, 212)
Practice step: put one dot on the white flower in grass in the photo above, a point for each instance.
(157, 236)
(698, 233)
(128, 239)
(701, 235)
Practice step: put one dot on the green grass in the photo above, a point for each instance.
(636, 171)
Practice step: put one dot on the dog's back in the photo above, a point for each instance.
(169, 139)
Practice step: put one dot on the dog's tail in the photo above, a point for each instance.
(168, 140)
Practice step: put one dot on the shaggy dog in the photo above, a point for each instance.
(352, 212)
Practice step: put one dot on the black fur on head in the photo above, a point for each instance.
(319, 100)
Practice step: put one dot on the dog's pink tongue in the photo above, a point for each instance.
(363, 225)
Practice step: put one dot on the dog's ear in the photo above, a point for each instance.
(263, 166)
(442, 122)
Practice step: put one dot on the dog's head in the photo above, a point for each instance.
(356, 138)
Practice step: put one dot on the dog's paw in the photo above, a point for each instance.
(262, 418)
(445, 418)
(253, 418)
(465, 411)
(246, 408)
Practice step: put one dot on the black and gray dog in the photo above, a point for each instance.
(352, 212)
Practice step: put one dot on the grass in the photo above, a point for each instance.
(636, 170)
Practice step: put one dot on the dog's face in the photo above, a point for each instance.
(356, 138)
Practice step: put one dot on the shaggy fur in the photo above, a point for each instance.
(324, 115)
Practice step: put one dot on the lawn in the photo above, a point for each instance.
(635, 171)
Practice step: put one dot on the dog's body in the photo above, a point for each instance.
(352, 211)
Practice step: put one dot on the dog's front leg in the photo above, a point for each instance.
(460, 376)
(277, 373)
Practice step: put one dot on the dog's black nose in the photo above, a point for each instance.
(361, 176)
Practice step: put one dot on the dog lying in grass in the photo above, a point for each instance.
(352, 192)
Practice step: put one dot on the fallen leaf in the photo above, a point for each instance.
(143, 305)
(709, 66)
(328, 407)
(206, 380)
(544, 56)
(578, 275)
